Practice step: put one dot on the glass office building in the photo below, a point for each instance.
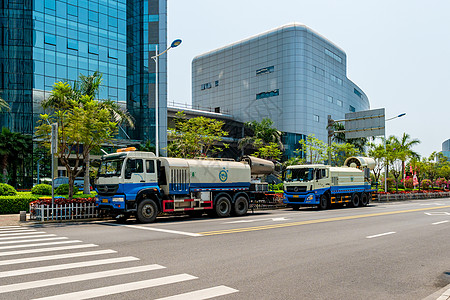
(45, 41)
(290, 74)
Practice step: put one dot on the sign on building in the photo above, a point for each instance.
(365, 123)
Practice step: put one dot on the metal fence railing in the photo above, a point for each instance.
(45, 212)
(411, 196)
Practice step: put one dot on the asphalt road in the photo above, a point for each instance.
(384, 251)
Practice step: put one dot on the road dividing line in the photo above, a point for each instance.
(159, 230)
(121, 288)
(25, 237)
(316, 221)
(203, 294)
(442, 222)
(67, 266)
(18, 252)
(54, 257)
(381, 234)
(76, 278)
(39, 244)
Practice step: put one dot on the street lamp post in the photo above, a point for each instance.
(386, 167)
(155, 58)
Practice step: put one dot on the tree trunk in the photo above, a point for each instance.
(5, 168)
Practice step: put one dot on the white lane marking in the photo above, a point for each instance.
(34, 240)
(13, 228)
(39, 244)
(381, 234)
(25, 237)
(203, 294)
(5, 232)
(121, 288)
(67, 266)
(257, 220)
(22, 233)
(54, 257)
(17, 252)
(438, 213)
(76, 278)
(159, 230)
(442, 222)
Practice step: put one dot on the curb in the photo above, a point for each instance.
(442, 294)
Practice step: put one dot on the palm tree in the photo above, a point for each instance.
(263, 134)
(3, 105)
(405, 144)
(13, 148)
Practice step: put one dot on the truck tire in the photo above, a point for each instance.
(223, 207)
(147, 211)
(355, 200)
(364, 199)
(240, 206)
(323, 203)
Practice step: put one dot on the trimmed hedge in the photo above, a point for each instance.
(7, 190)
(42, 189)
(63, 189)
(14, 204)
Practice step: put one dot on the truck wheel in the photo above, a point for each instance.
(364, 199)
(355, 200)
(223, 207)
(323, 204)
(240, 207)
(147, 211)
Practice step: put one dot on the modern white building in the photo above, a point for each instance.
(291, 74)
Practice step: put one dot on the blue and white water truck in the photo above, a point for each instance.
(139, 183)
(324, 186)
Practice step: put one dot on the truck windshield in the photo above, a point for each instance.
(110, 168)
(299, 175)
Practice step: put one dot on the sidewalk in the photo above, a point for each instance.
(11, 220)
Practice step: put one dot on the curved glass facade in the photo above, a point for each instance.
(291, 74)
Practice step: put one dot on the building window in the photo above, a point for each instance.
(93, 49)
(72, 10)
(216, 83)
(318, 70)
(357, 93)
(72, 44)
(50, 39)
(335, 79)
(339, 102)
(112, 53)
(217, 109)
(316, 118)
(206, 86)
(351, 108)
(333, 55)
(268, 94)
(265, 70)
(330, 99)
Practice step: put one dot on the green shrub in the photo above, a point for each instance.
(7, 190)
(63, 189)
(42, 189)
(15, 204)
(426, 184)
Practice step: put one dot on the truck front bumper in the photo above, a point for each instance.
(301, 199)
(116, 202)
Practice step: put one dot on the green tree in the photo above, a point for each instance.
(339, 137)
(315, 150)
(3, 105)
(84, 123)
(14, 149)
(195, 137)
(263, 133)
(377, 152)
(341, 151)
(271, 152)
(405, 144)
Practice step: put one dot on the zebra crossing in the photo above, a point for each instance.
(36, 265)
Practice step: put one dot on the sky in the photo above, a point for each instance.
(398, 51)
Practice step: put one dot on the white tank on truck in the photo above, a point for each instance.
(139, 183)
(324, 186)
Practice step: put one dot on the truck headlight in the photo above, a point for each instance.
(310, 197)
(118, 199)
